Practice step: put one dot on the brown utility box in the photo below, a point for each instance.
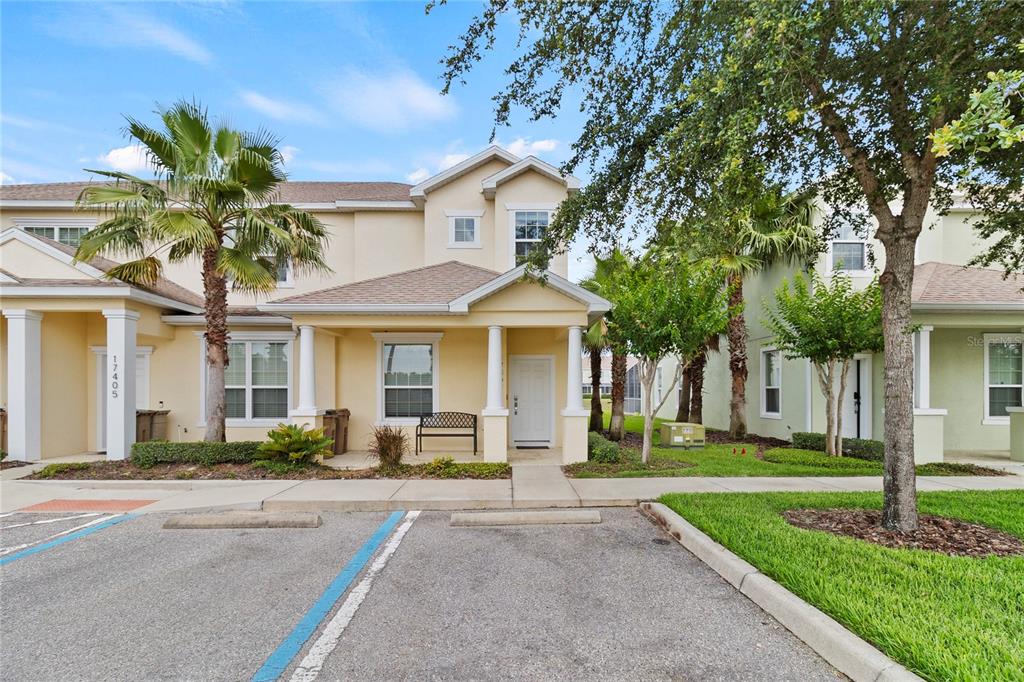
(336, 427)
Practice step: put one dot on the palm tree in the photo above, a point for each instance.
(212, 200)
(600, 283)
(742, 241)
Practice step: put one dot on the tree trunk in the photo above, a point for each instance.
(845, 368)
(899, 510)
(826, 381)
(697, 366)
(737, 359)
(215, 289)
(618, 421)
(648, 371)
(596, 412)
(683, 409)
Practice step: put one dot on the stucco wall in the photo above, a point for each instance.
(65, 365)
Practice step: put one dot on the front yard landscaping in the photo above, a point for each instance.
(944, 617)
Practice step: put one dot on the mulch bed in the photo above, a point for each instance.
(935, 533)
(12, 463)
(716, 437)
(121, 471)
(655, 464)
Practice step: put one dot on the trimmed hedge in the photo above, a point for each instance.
(861, 448)
(155, 452)
(600, 449)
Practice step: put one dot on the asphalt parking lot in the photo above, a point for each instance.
(132, 601)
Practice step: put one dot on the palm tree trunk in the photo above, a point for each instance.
(683, 409)
(596, 413)
(899, 506)
(215, 289)
(697, 366)
(737, 332)
(618, 420)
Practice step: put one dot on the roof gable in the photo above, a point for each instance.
(530, 163)
(419, 192)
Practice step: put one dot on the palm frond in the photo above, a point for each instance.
(249, 273)
(123, 234)
(144, 271)
(159, 147)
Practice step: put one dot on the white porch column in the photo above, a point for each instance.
(307, 371)
(24, 377)
(924, 367)
(120, 382)
(495, 387)
(495, 414)
(574, 416)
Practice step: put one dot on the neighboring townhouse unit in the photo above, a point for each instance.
(968, 345)
(427, 310)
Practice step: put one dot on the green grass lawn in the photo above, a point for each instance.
(946, 618)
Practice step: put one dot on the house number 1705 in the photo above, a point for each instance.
(114, 384)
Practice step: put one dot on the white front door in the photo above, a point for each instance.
(532, 400)
(857, 402)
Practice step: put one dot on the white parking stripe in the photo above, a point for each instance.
(8, 550)
(311, 665)
(63, 518)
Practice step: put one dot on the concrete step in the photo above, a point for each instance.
(526, 518)
(244, 519)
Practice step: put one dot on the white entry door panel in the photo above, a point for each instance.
(857, 401)
(532, 400)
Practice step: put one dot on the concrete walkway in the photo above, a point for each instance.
(532, 486)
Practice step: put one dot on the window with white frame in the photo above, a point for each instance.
(1004, 375)
(67, 231)
(529, 228)
(257, 380)
(464, 228)
(771, 383)
(849, 250)
(407, 381)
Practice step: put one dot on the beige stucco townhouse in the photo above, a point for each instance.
(426, 310)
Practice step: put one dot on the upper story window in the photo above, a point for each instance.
(67, 231)
(529, 230)
(1004, 375)
(849, 250)
(464, 229)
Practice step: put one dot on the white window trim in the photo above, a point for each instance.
(434, 340)
(512, 210)
(830, 260)
(239, 337)
(289, 278)
(58, 224)
(765, 414)
(476, 215)
(989, 339)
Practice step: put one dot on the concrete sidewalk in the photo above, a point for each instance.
(530, 487)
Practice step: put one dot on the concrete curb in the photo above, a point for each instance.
(850, 654)
(525, 518)
(244, 519)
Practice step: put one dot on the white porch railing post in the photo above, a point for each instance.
(119, 382)
(24, 378)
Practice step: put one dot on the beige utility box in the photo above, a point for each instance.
(682, 435)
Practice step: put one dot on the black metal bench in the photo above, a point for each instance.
(446, 420)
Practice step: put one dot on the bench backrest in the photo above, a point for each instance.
(448, 420)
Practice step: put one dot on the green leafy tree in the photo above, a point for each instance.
(827, 323)
(661, 309)
(212, 201)
(683, 101)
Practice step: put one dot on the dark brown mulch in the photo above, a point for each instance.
(716, 437)
(12, 463)
(935, 533)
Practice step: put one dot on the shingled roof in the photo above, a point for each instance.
(293, 192)
(430, 285)
(950, 285)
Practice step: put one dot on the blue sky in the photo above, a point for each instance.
(351, 88)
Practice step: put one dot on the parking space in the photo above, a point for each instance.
(607, 601)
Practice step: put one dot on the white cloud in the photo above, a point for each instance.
(281, 110)
(128, 159)
(5, 179)
(522, 146)
(385, 102)
(417, 176)
(114, 26)
(288, 153)
(449, 160)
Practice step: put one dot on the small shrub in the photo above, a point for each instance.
(278, 467)
(151, 453)
(185, 475)
(442, 467)
(602, 450)
(861, 448)
(51, 470)
(389, 444)
(294, 443)
(446, 467)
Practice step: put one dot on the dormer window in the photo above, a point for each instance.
(464, 229)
